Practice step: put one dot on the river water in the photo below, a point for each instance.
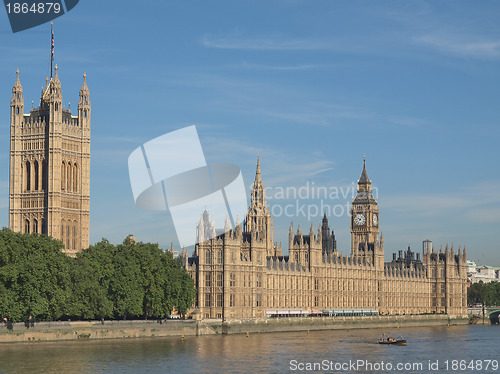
(429, 350)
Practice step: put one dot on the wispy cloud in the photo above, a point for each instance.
(267, 44)
(461, 46)
(279, 166)
(250, 66)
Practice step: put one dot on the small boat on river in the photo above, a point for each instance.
(393, 341)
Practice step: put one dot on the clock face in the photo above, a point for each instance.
(375, 219)
(359, 219)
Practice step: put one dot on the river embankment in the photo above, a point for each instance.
(91, 330)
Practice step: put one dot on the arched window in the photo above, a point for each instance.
(68, 233)
(27, 176)
(68, 177)
(63, 176)
(75, 233)
(44, 175)
(44, 227)
(35, 226)
(36, 170)
(27, 226)
(62, 230)
(75, 178)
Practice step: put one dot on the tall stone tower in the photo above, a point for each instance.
(365, 241)
(259, 219)
(50, 166)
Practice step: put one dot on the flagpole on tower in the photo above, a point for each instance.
(51, 47)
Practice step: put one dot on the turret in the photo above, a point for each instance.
(238, 226)
(259, 222)
(184, 257)
(84, 106)
(55, 100)
(227, 225)
(299, 234)
(201, 231)
(365, 222)
(17, 103)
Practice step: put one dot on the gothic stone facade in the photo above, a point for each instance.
(242, 274)
(50, 166)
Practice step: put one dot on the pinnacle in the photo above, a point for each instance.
(84, 89)
(258, 177)
(17, 84)
(364, 175)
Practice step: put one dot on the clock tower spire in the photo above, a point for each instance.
(365, 222)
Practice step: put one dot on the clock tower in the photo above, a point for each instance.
(365, 222)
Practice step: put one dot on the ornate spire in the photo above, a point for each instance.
(84, 90)
(258, 177)
(56, 78)
(258, 194)
(227, 224)
(17, 85)
(364, 175)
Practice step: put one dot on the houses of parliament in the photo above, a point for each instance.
(49, 189)
(242, 274)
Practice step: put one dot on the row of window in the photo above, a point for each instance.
(69, 176)
(208, 257)
(219, 281)
(34, 178)
(219, 300)
(69, 234)
(220, 257)
(34, 226)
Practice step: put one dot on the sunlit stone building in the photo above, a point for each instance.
(242, 273)
(50, 166)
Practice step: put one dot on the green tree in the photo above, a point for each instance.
(34, 277)
(487, 293)
(130, 280)
(92, 273)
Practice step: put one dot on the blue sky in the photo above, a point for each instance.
(311, 85)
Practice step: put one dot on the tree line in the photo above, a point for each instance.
(126, 281)
(487, 293)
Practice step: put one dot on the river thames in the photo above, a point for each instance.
(454, 349)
